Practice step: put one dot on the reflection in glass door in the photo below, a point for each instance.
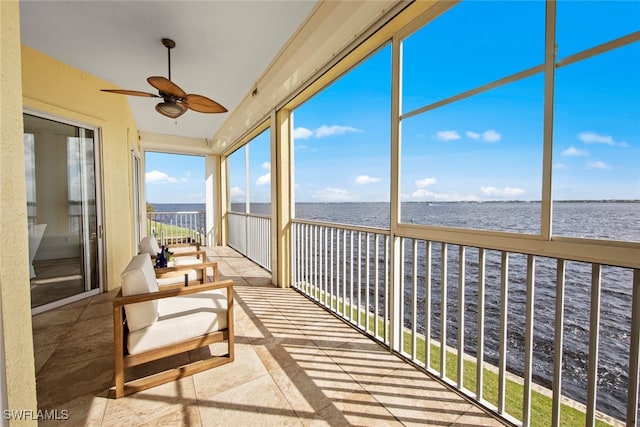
(63, 211)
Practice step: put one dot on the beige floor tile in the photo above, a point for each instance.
(413, 398)
(278, 353)
(57, 317)
(361, 409)
(97, 309)
(87, 410)
(300, 390)
(148, 405)
(60, 385)
(476, 417)
(88, 328)
(187, 416)
(42, 355)
(82, 349)
(255, 403)
(246, 367)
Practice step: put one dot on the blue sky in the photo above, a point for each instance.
(486, 147)
(172, 178)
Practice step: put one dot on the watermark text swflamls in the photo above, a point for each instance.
(39, 415)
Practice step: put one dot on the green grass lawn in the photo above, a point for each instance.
(168, 229)
(540, 404)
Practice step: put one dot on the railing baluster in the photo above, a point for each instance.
(557, 346)
(344, 272)
(330, 272)
(634, 353)
(594, 333)
(504, 299)
(367, 282)
(359, 257)
(386, 288)
(427, 307)
(528, 341)
(480, 331)
(314, 264)
(296, 251)
(400, 318)
(461, 304)
(351, 245)
(307, 266)
(327, 291)
(376, 286)
(337, 279)
(414, 299)
(443, 313)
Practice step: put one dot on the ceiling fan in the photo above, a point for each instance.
(176, 101)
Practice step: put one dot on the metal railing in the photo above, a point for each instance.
(512, 331)
(177, 227)
(250, 234)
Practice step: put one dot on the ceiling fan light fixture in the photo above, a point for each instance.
(172, 110)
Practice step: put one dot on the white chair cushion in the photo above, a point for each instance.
(181, 318)
(139, 278)
(149, 245)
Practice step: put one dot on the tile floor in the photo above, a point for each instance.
(295, 365)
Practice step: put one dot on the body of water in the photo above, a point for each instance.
(596, 220)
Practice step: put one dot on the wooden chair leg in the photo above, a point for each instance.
(118, 337)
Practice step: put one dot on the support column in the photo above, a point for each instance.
(17, 371)
(215, 189)
(281, 197)
(396, 278)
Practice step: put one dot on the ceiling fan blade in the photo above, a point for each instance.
(131, 92)
(202, 104)
(165, 85)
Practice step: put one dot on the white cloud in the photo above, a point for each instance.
(573, 151)
(157, 177)
(236, 194)
(559, 166)
(594, 138)
(266, 166)
(302, 133)
(502, 192)
(366, 179)
(322, 131)
(424, 194)
(472, 135)
(333, 195)
(447, 135)
(598, 165)
(425, 182)
(325, 130)
(264, 179)
(491, 136)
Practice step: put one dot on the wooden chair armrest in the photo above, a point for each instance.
(168, 293)
(180, 267)
(183, 245)
(199, 254)
(204, 265)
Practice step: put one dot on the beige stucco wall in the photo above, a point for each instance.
(58, 89)
(15, 305)
(29, 79)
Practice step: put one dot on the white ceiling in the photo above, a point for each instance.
(222, 48)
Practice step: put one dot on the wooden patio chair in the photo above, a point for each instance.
(152, 324)
(195, 259)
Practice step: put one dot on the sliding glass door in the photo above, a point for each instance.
(63, 208)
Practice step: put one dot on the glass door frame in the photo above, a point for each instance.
(100, 261)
